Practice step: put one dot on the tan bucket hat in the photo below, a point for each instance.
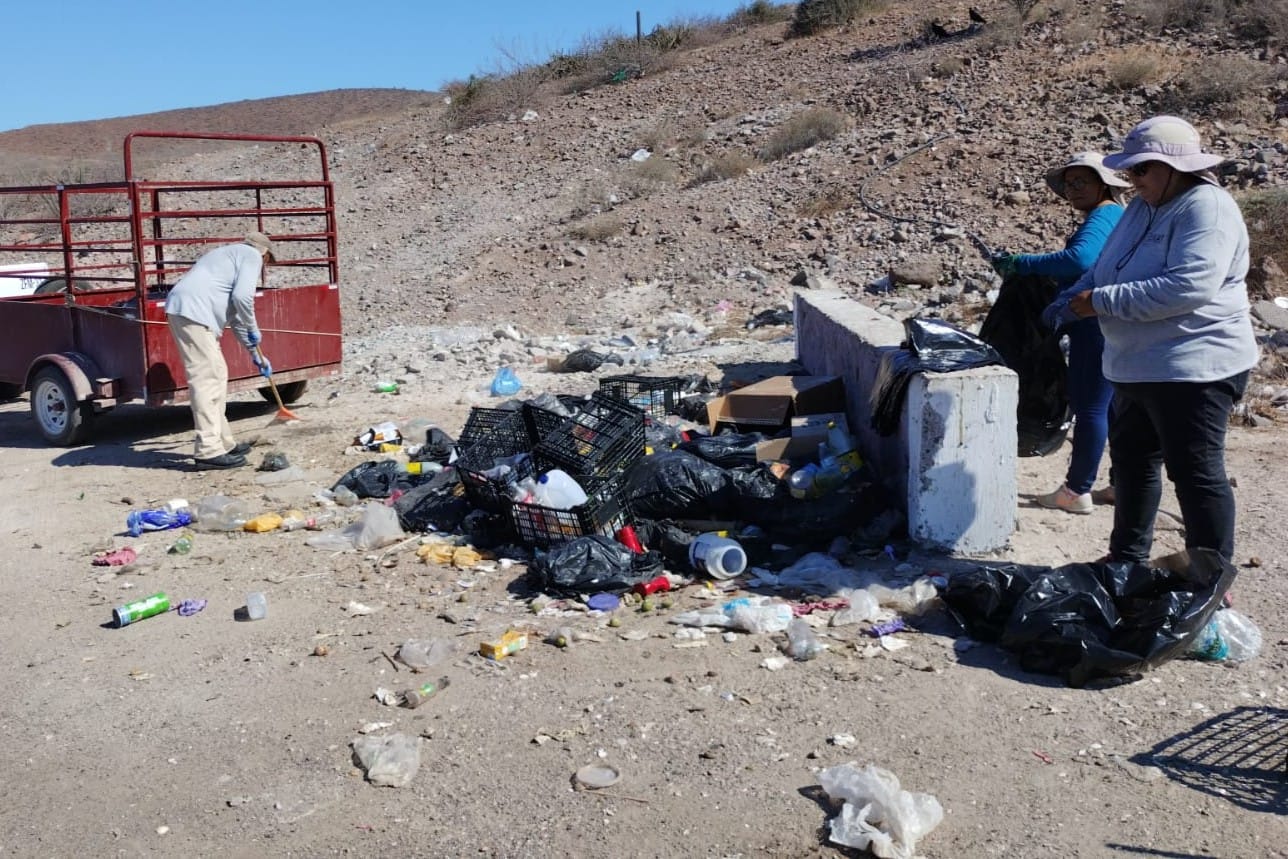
(262, 243)
(1092, 160)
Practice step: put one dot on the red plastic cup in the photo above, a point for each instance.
(628, 538)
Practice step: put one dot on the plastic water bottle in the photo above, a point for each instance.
(801, 481)
(838, 440)
(413, 698)
(717, 556)
(560, 490)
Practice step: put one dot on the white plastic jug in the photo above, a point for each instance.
(718, 557)
(557, 489)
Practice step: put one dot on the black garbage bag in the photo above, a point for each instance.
(1014, 328)
(669, 539)
(765, 501)
(434, 506)
(727, 450)
(679, 485)
(661, 436)
(930, 345)
(438, 447)
(593, 564)
(587, 361)
(379, 479)
(1088, 621)
(693, 409)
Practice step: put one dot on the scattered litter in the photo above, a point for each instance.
(388, 697)
(419, 654)
(371, 727)
(392, 761)
(775, 663)
(597, 776)
(356, 608)
(119, 558)
(878, 814)
(843, 741)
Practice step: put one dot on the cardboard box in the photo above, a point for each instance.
(769, 405)
(807, 432)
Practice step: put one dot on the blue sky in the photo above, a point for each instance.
(98, 59)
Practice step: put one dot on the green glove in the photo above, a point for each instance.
(1006, 264)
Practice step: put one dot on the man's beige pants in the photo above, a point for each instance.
(203, 362)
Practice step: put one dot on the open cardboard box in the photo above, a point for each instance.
(805, 404)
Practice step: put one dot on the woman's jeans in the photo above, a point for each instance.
(1180, 425)
(1089, 396)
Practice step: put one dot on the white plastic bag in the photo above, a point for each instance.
(863, 608)
(391, 760)
(378, 527)
(878, 814)
(421, 653)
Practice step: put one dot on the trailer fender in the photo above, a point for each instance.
(76, 366)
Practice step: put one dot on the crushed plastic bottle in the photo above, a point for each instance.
(221, 513)
(802, 643)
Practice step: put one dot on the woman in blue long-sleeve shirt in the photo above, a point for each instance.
(1094, 190)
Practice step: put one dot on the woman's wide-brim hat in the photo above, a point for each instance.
(1093, 161)
(1169, 139)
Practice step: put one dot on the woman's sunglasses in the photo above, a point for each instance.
(1139, 170)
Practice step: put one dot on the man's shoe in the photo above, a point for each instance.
(224, 460)
(1103, 496)
(241, 448)
(1067, 500)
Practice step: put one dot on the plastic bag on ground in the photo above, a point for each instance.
(878, 814)
(591, 564)
(727, 450)
(863, 608)
(422, 653)
(433, 506)
(379, 479)
(759, 615)
(1229, 636)
(1086, 621)
(377, 528)
(505, 383)
(392, 761)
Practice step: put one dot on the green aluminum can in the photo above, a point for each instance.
(140, 609)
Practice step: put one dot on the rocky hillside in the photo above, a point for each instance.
(689, 188)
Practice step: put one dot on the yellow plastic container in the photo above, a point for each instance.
(263, 522)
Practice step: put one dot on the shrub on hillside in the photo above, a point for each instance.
(803, 131)
(1219, 85)
(726, 165)
(1266, 214)
(1186, 14)
(761, 12)
(829, 202)
(1131, 70)
(599, 228)
(815, 16)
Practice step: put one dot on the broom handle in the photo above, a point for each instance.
(281, 407)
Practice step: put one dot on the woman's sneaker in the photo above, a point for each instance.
(1067, 500)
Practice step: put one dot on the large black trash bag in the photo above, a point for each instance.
(727, 450)
(593, 564)
(379, 479)
(679, 485)
(1088, 621)
(438, 447)
(1014, 328)
(765, 501)
(669, 539)
(434, 506)
(930, 345)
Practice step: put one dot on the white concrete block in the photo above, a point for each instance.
(960, 435)
(952, 462)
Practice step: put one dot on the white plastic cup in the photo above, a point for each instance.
(256, 606)
(718, 557)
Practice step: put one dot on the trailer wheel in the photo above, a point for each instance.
(9, 391)
(289, 391)
(62, 420)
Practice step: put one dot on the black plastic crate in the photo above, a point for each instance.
(604, 438)
(656, 396)
(483, 419)
(605, 512)
(507, 439)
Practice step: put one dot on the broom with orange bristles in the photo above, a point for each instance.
(284, 414)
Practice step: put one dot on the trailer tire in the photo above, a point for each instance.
(61, 418)
(289, 391)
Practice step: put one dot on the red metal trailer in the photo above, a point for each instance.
(85, 269)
